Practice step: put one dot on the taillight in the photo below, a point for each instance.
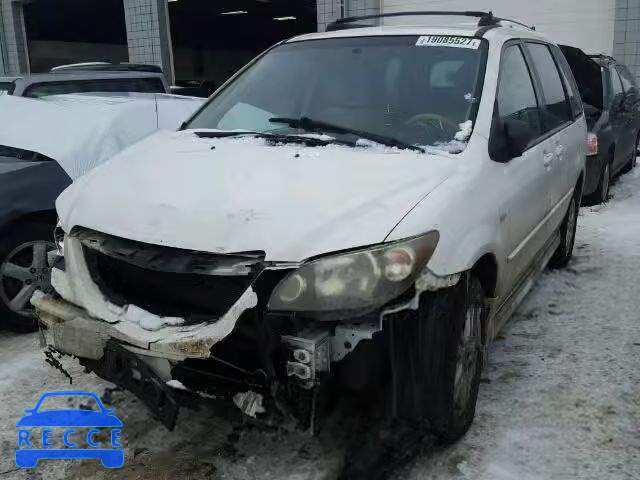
(592, 144)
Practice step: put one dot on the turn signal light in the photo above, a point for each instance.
(592, 144)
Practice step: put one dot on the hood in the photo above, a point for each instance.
(243, 194)
(81, 132)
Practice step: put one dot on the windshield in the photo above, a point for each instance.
(408, 88)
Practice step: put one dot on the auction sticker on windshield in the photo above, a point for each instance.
(448, 41)
(58, 433)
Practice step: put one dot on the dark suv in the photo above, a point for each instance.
(611, 103)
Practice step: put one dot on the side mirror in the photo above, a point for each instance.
(518, 135)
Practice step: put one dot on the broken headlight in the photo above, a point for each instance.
(355, 281)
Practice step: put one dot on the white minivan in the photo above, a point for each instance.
(355, 212)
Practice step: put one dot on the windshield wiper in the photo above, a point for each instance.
(310, 125)
(276, 138)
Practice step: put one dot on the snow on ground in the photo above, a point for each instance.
(561, 397)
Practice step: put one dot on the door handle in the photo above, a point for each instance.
(548, 160)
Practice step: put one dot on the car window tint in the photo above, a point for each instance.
(390, 86)
(139, 85)
(558, 110)
(516, 96)
(442, 73)
(570, 83)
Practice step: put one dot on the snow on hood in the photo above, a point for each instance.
(243, 194)
(81, 132)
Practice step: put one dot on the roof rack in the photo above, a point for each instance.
(486, 19)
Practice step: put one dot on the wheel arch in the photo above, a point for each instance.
(47, 216)
(486, 269)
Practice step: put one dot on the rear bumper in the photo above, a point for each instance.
(595, 164)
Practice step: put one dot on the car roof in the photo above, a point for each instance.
(497, 33)
(62, 75)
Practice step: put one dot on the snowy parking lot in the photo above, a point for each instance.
(560, 398)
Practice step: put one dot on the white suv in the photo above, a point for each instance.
(361, 209)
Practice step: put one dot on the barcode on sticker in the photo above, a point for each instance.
(447, 41)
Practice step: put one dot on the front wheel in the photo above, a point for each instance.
(437, 359)
(563, 254)
(23, 270)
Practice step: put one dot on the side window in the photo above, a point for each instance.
(616, 82)
(571, 86)
(558, 110)
(516, 95)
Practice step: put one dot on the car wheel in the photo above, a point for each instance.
(436, 363)
(23, 270)
(437, 359)
(633, 161)
(465, 356)
(568, 229)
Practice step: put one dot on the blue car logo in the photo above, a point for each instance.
(32, 448)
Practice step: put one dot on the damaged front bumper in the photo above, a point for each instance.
(245, 354)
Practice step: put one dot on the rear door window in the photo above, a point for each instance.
(516, 95)
(571, 86)
(116, 85)
(558, 109)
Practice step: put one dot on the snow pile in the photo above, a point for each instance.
(146, 320)
(465, 131)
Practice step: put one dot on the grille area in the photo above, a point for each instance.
(193, 296)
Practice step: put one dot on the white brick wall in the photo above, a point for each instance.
(12, 28)
(626, 46)
(587, 24)
(148, 33)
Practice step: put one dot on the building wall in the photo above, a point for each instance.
(626, 48)
(46, 54)
(148, 33)
(14, 40)
(330, 10)
(587, 24)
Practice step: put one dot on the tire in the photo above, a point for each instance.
(633, 161)
(23, 270)
(563, 254)
(437, 359)
(601, 195)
